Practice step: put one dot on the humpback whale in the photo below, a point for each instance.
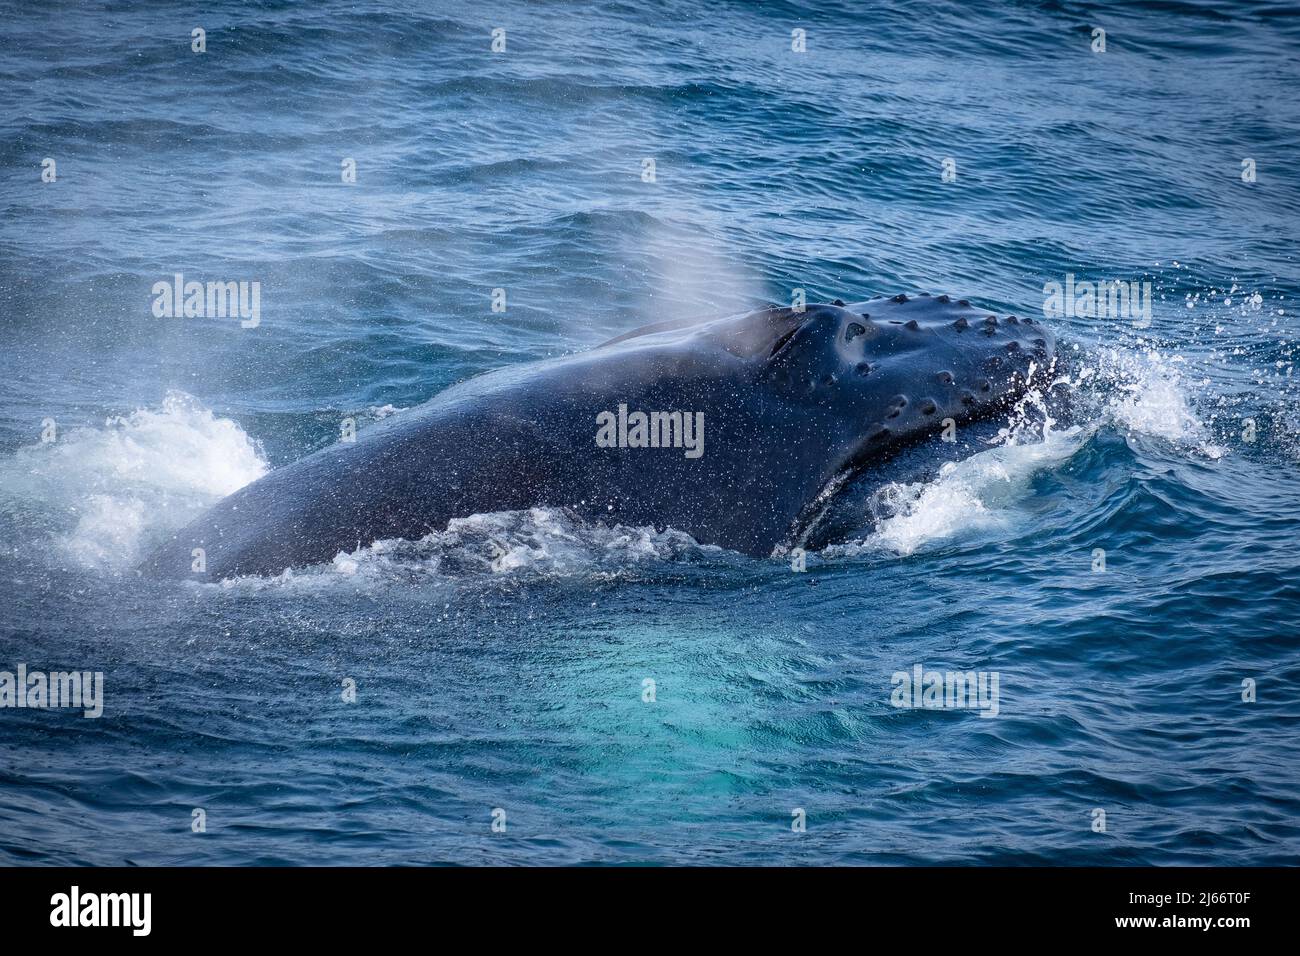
(733, 430)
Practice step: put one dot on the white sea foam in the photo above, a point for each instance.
(537, 542)
(981, 491)
(107, 491)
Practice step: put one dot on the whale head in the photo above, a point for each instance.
(867, 376)
(890, 372)
(898, 367)
(796, 400)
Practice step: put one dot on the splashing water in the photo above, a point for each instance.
(1142, 395)
(137, 476)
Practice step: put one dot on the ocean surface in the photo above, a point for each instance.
(1131, 574)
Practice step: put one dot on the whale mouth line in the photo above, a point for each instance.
(870, 450)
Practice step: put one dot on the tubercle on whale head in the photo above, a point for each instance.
(881, 328)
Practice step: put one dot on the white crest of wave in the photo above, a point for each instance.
(125, 483)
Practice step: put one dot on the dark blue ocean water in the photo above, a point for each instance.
(515, 680)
